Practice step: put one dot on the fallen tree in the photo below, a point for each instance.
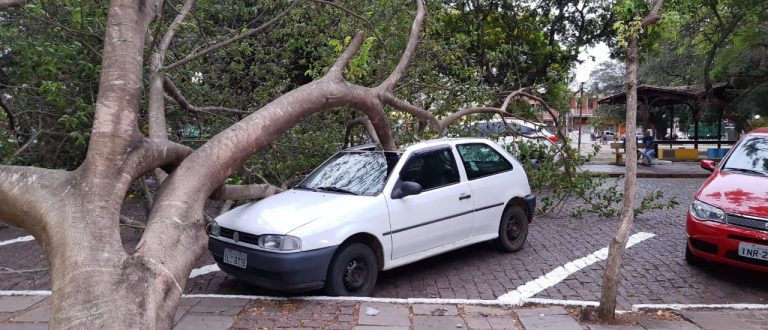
(75, 215)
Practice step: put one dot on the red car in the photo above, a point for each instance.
(728, 219)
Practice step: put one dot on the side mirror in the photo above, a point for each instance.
(406, 188)
(708, 165)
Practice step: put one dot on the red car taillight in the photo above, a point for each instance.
(554, 139)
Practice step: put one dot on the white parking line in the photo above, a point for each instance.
(17, 240)
(639, 307)
(204, 270)
(557, 275)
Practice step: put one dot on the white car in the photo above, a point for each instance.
(362, 212)
(534, 136)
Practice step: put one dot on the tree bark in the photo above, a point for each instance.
(607, 308)
(5, 4)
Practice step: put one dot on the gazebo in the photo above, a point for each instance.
(649, 96)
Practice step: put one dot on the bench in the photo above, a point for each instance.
(617, 147)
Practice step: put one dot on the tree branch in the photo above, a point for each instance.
(653, 16)
(228, 42)
(366, 123)
(5, 4)
(175, 93)
(445, 122)
(393, 101)
(413, 40)
(336, 71)
(150, 154)
(158, 128)
(28, 196)
(169, 34)
(250, 191)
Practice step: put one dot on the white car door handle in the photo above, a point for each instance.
(464, 196)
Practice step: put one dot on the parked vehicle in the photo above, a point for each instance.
(728, 220)
(364, 211)
(527, 130)
(534, 136)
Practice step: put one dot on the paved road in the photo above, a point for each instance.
(654, 271)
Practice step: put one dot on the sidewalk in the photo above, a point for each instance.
(208, 313)
(661, 169)
(603, 163)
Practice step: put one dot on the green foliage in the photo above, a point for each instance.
(720, 39)
(51, 69)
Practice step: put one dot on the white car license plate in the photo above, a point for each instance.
(754, 251)
(235, 258)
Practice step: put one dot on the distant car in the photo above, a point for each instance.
(532, 134)
(728, 219)
(365, 211)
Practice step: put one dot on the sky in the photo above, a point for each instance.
(592, 56)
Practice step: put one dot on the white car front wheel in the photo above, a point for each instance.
(513, 229)
(353, 271)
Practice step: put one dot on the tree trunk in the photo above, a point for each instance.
(607, 308)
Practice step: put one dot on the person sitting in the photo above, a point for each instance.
(647, 150)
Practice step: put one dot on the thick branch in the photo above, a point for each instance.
(445, 122)
(426, 116)
(250, 191)
(156, 103)
(175, 93)
(151, 154)
(29, 196)
(366, 123)
(173, 27)
(336, 71)
(230, 41)
(413, 40)
(521, 94)
(5, 4)
(654, 15)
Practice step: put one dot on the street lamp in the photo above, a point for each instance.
(757, 117)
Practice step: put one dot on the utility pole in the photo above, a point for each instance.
(581, 99)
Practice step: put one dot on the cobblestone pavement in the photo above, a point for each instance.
(654, 270)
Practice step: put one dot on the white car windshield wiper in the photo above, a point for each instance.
(336, 189)
(745, 170)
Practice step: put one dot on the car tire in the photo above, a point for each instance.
(690, 258)
(513, 229)
(353, 271)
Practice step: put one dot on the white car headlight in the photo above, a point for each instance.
(707, 212)
(215, 229)
(280, 242)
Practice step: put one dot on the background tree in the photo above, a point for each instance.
(708, 42)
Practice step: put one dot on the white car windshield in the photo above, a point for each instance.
(352, 172)
(751, 156)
